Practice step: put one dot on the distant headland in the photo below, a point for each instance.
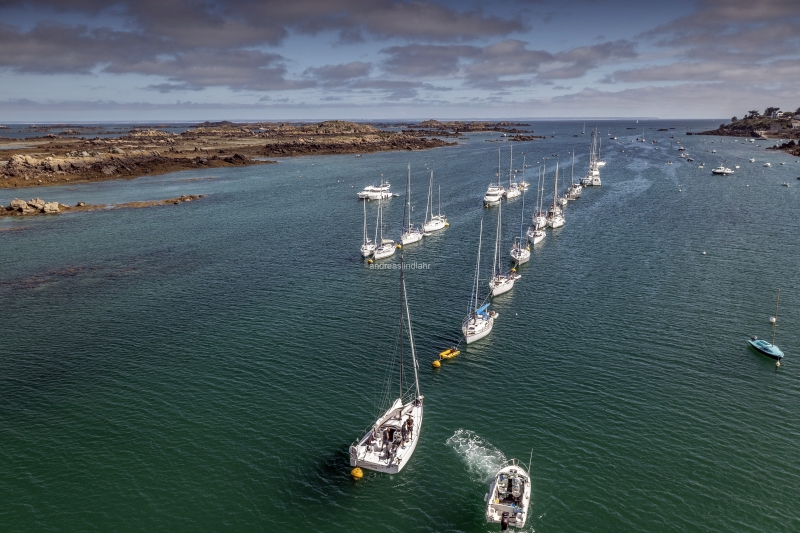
(771, 124)
(74, 154)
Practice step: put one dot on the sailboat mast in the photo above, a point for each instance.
(478, 267)
(775, 324)
(510, 165)
(498, 166)
(402, 297)
(497, 250)
(572, 177)
(410, 331)
(365, 222)
(408, 198)
(429, 204)
(555, 189)
(380, 220)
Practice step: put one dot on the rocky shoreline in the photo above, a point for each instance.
(37, 206)
(64, 158)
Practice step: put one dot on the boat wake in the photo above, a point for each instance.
(483, 460)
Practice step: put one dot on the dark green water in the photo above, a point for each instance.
(204, 367)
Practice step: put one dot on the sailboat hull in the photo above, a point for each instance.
(435, 224)
(503, 285)
(472, 334)
(520, 256)
(369, 452)
(383, 251)
(536, 236)
(411, 237)
(763, 347)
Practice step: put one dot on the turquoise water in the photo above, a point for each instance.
(204, 367)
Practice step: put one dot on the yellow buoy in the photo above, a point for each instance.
(447, 224)
(436, 363)
(357, 473)
(369, 261)
(513, 270)
(399, 246)
(528, 248)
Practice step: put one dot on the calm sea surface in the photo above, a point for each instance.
(204, 367)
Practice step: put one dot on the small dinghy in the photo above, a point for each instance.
(509, 497)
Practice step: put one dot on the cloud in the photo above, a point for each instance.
(338, 75)
(578, 61)
(52, 48)
(170, 87)
(503, 64)
(240, 23)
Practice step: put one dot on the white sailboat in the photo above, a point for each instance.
(500, 282)
(384, 247)
(540, 217)
(522, 183)
(509, 497)
(434, 222)
(520, 251)
(555, 216)
(410, 234)
(575, 189)
(513, 190)
(388, 445)
(479, 321)
(368, 248)
(494, 194)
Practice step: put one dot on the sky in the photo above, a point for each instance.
(186, 60)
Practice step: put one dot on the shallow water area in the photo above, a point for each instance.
(205, 366)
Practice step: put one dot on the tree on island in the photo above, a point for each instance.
(734, 119)
(752, 114)
(770, 110)
(797, 111)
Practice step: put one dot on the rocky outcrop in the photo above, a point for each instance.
(38, 206)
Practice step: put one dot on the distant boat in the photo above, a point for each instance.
(434, 222)
(721, 170)
(513, 189)
(494, 194)
(384, 247)
(411, 234)
(752, 159)
(375, 192)
(520, 251)
(762, 346)
(555, 216)
(500, 282)
(767, 164)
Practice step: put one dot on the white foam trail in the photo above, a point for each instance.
(483, 460)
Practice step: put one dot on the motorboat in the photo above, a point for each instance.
(376, 192)
(509, 497)
(722, 170)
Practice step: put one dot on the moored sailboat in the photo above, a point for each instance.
(368, 248)
(383, 247)
(520, 251)
(388, 445)
(500, 282)
(764, 347)
(479, 320)
(435, 222)
(411, 234)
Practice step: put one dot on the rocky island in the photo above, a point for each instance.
(68, 157)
